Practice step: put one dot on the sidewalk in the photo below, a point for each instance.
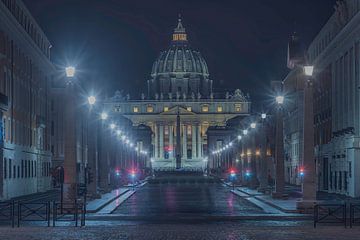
(264, 201)
(97, 204)
(284, 205)
(110, 201)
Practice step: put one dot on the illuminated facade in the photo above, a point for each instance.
(180, 106)
(25, 77)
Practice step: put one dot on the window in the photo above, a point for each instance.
(26, 169)
(237, 107)
(166, 109)
(188, 109)
(52, 128)
(22, 168)
(219, 109)
(5, 168)
(150, 109)
(136, 109)
(18, 171)
(10, 167)
(205, 108)
(117, 109)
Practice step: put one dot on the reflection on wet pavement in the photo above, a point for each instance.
(186, 199)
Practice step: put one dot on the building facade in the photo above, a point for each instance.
(25, 77)
(335, 54)
(180, 107)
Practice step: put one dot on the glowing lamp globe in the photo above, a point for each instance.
(104, 116)
(70, 71)
(92, 100)
(309, 70)
(280, 99)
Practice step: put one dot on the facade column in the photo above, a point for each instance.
(161, 136)
(199, 142)
(184, 142)
(193, 141)
(156, 148)
(171, 141)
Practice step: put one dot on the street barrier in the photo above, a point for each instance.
(7, 212)
(68, 212)
(354, 214)
(330, 213)
(34, 212)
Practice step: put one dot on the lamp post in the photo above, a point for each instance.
(308, 184)
(263, 158)
(279, 150)
(70, 164)
(92, 169)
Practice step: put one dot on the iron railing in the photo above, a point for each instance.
(330, 213)
(7, 212)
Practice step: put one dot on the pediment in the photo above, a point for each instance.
(175, 110)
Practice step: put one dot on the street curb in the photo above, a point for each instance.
(107, 202)
(173, 218)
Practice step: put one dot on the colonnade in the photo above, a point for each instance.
(165, 139)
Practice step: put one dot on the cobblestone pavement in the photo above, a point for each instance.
(218, 231)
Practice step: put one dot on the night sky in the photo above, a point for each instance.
(115, 42)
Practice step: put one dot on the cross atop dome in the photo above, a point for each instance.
(179, 34)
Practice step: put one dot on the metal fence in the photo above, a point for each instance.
(16, 213)
(354, 214)
(7, 212)
(69, 213)
(330, 213)
(34, 212)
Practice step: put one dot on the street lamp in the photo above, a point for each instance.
(112, 126)
(308, 70)
(239, 137)
(92, 100)
(245, 132)
(280, 99)
(253, 125)
(279, 150)
(104, 116)
(309, 177)
(70, 71)
(70, 164)
(263, 116)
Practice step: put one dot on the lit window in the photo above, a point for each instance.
(219, 108)
(189, 109)
(166, 109)
(136, 109)
(205, 108)
(188, 129)
(150, 109)
(237, 107)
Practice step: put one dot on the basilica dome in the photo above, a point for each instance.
(180, 59)
(179, 70)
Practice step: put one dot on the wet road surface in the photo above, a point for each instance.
(186, 199)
